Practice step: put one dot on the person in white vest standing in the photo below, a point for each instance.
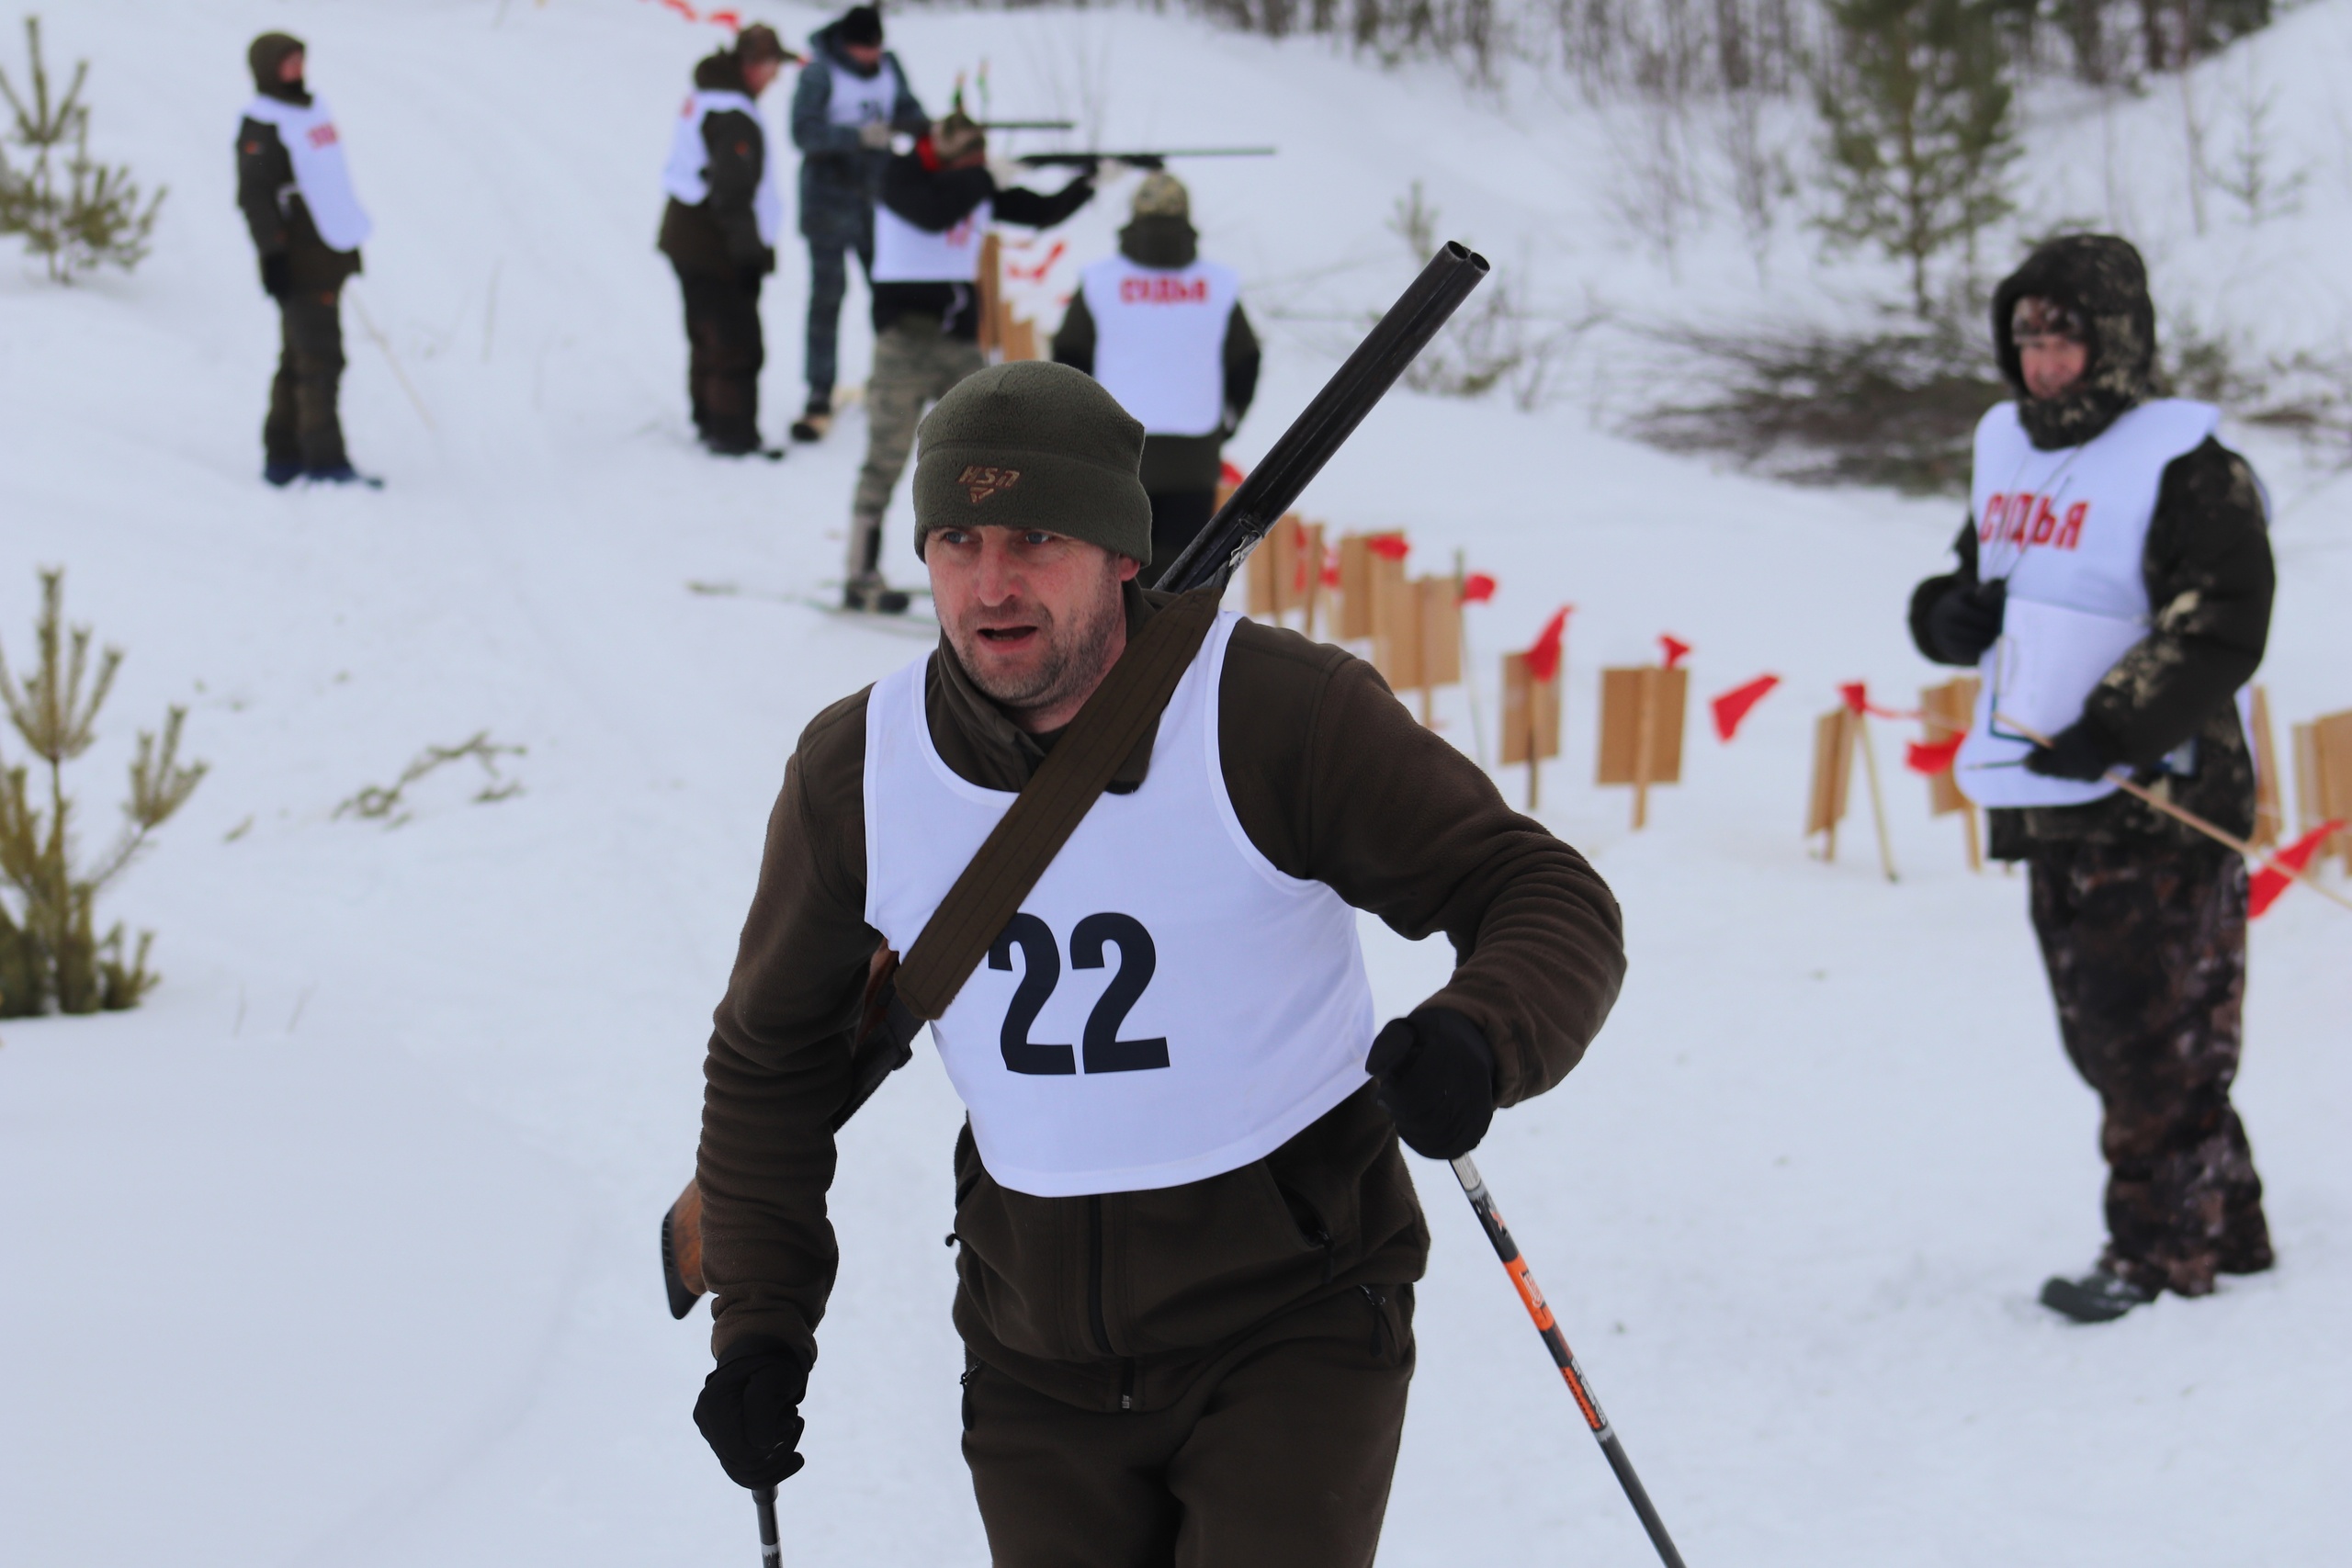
(2114, 592)
(852, 99)
(294, 188)
(938, 200)
(719, 230)
(1186, 1237)
(1165, 332)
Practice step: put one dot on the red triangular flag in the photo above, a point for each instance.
(1388, 546)
(1734, 704)
(2275, 879)
(1544, 655)
(1857, 694)
(729, 19)
(1932, 757)
(1331, 566)
(1226, 474)
(1676, 650)
(1477, 588)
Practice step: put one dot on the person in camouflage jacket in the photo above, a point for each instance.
(2141, 919)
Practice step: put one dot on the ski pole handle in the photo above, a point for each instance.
(771, 1554)
(1531, 1295)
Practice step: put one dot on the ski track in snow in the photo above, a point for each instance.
(341, 1248)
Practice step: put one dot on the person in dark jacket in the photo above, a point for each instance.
(2114, 583)
(938, 203)
(719, 230)
(1164, 331)
(852, 97)
(295, 191)
(1186, 1236)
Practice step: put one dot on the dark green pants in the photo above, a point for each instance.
(1279, 1456)
(303, 428)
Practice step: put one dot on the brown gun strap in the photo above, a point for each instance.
(1108, 728)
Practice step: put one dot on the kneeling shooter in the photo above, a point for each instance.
(1187, 1236)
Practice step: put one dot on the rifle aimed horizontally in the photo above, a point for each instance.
(1136, 160)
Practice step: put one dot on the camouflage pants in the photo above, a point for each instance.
(915, 366)
(2145, 945)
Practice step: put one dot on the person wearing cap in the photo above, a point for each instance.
(852, 99)
(938, 200)
(720, 229)
(1165, 332)
(1186, 1237)
(2114, 589)
(294, 188)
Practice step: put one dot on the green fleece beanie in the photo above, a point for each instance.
(1033, 445)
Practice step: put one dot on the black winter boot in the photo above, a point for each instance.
(2099, 1296)
(867, 592)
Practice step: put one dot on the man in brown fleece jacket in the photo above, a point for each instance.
(1185, 1271)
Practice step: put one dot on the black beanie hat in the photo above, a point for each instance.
(265, 55)
(861, 25)
(1033, 445)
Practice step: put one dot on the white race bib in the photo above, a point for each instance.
(321, 173)
(1160, 341)
(687, 174)
(2067, 531)
(1167, 1006)
(904, 254)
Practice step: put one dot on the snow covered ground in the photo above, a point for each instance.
(341, 1248)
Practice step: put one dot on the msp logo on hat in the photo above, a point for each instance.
(980, 482)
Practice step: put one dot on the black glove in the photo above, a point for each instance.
(277, 275)
(1436, 1080)
(2075, 752)
(749, 1412)
(1965, 621)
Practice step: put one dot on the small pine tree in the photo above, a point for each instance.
(74, 213)
(50, 949)
(1917, 107)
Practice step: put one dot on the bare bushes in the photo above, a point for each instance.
(1496, 341)
(1894, 408)
(49, 952)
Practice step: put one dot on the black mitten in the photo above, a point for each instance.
(1965, 622)
(2075, 752)
(1436, 1080)
(750, 1413)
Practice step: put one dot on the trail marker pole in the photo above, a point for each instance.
(1482, 1203)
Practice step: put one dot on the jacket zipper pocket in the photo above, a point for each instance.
(1095, 1301)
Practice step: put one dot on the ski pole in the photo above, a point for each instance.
(771, 1554)
(1483, 1203)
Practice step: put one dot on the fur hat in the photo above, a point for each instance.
(2102, 282)
(956, 138)
(1162, 195)
(757, 45)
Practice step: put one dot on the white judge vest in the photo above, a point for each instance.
(1167, 1006)
(322, 175)
(861, 100)
(1160, 341)
(904, 254)
(687, 174)
(2067, 530)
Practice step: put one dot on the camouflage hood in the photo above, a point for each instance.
(2104, 282)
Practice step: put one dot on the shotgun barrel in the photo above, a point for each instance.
(1152, 160)
(1295, 459)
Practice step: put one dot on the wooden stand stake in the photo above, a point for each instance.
(1878, 800)
(1946, 711)
(1531, 721)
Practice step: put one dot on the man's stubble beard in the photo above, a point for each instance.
(1075, 656)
